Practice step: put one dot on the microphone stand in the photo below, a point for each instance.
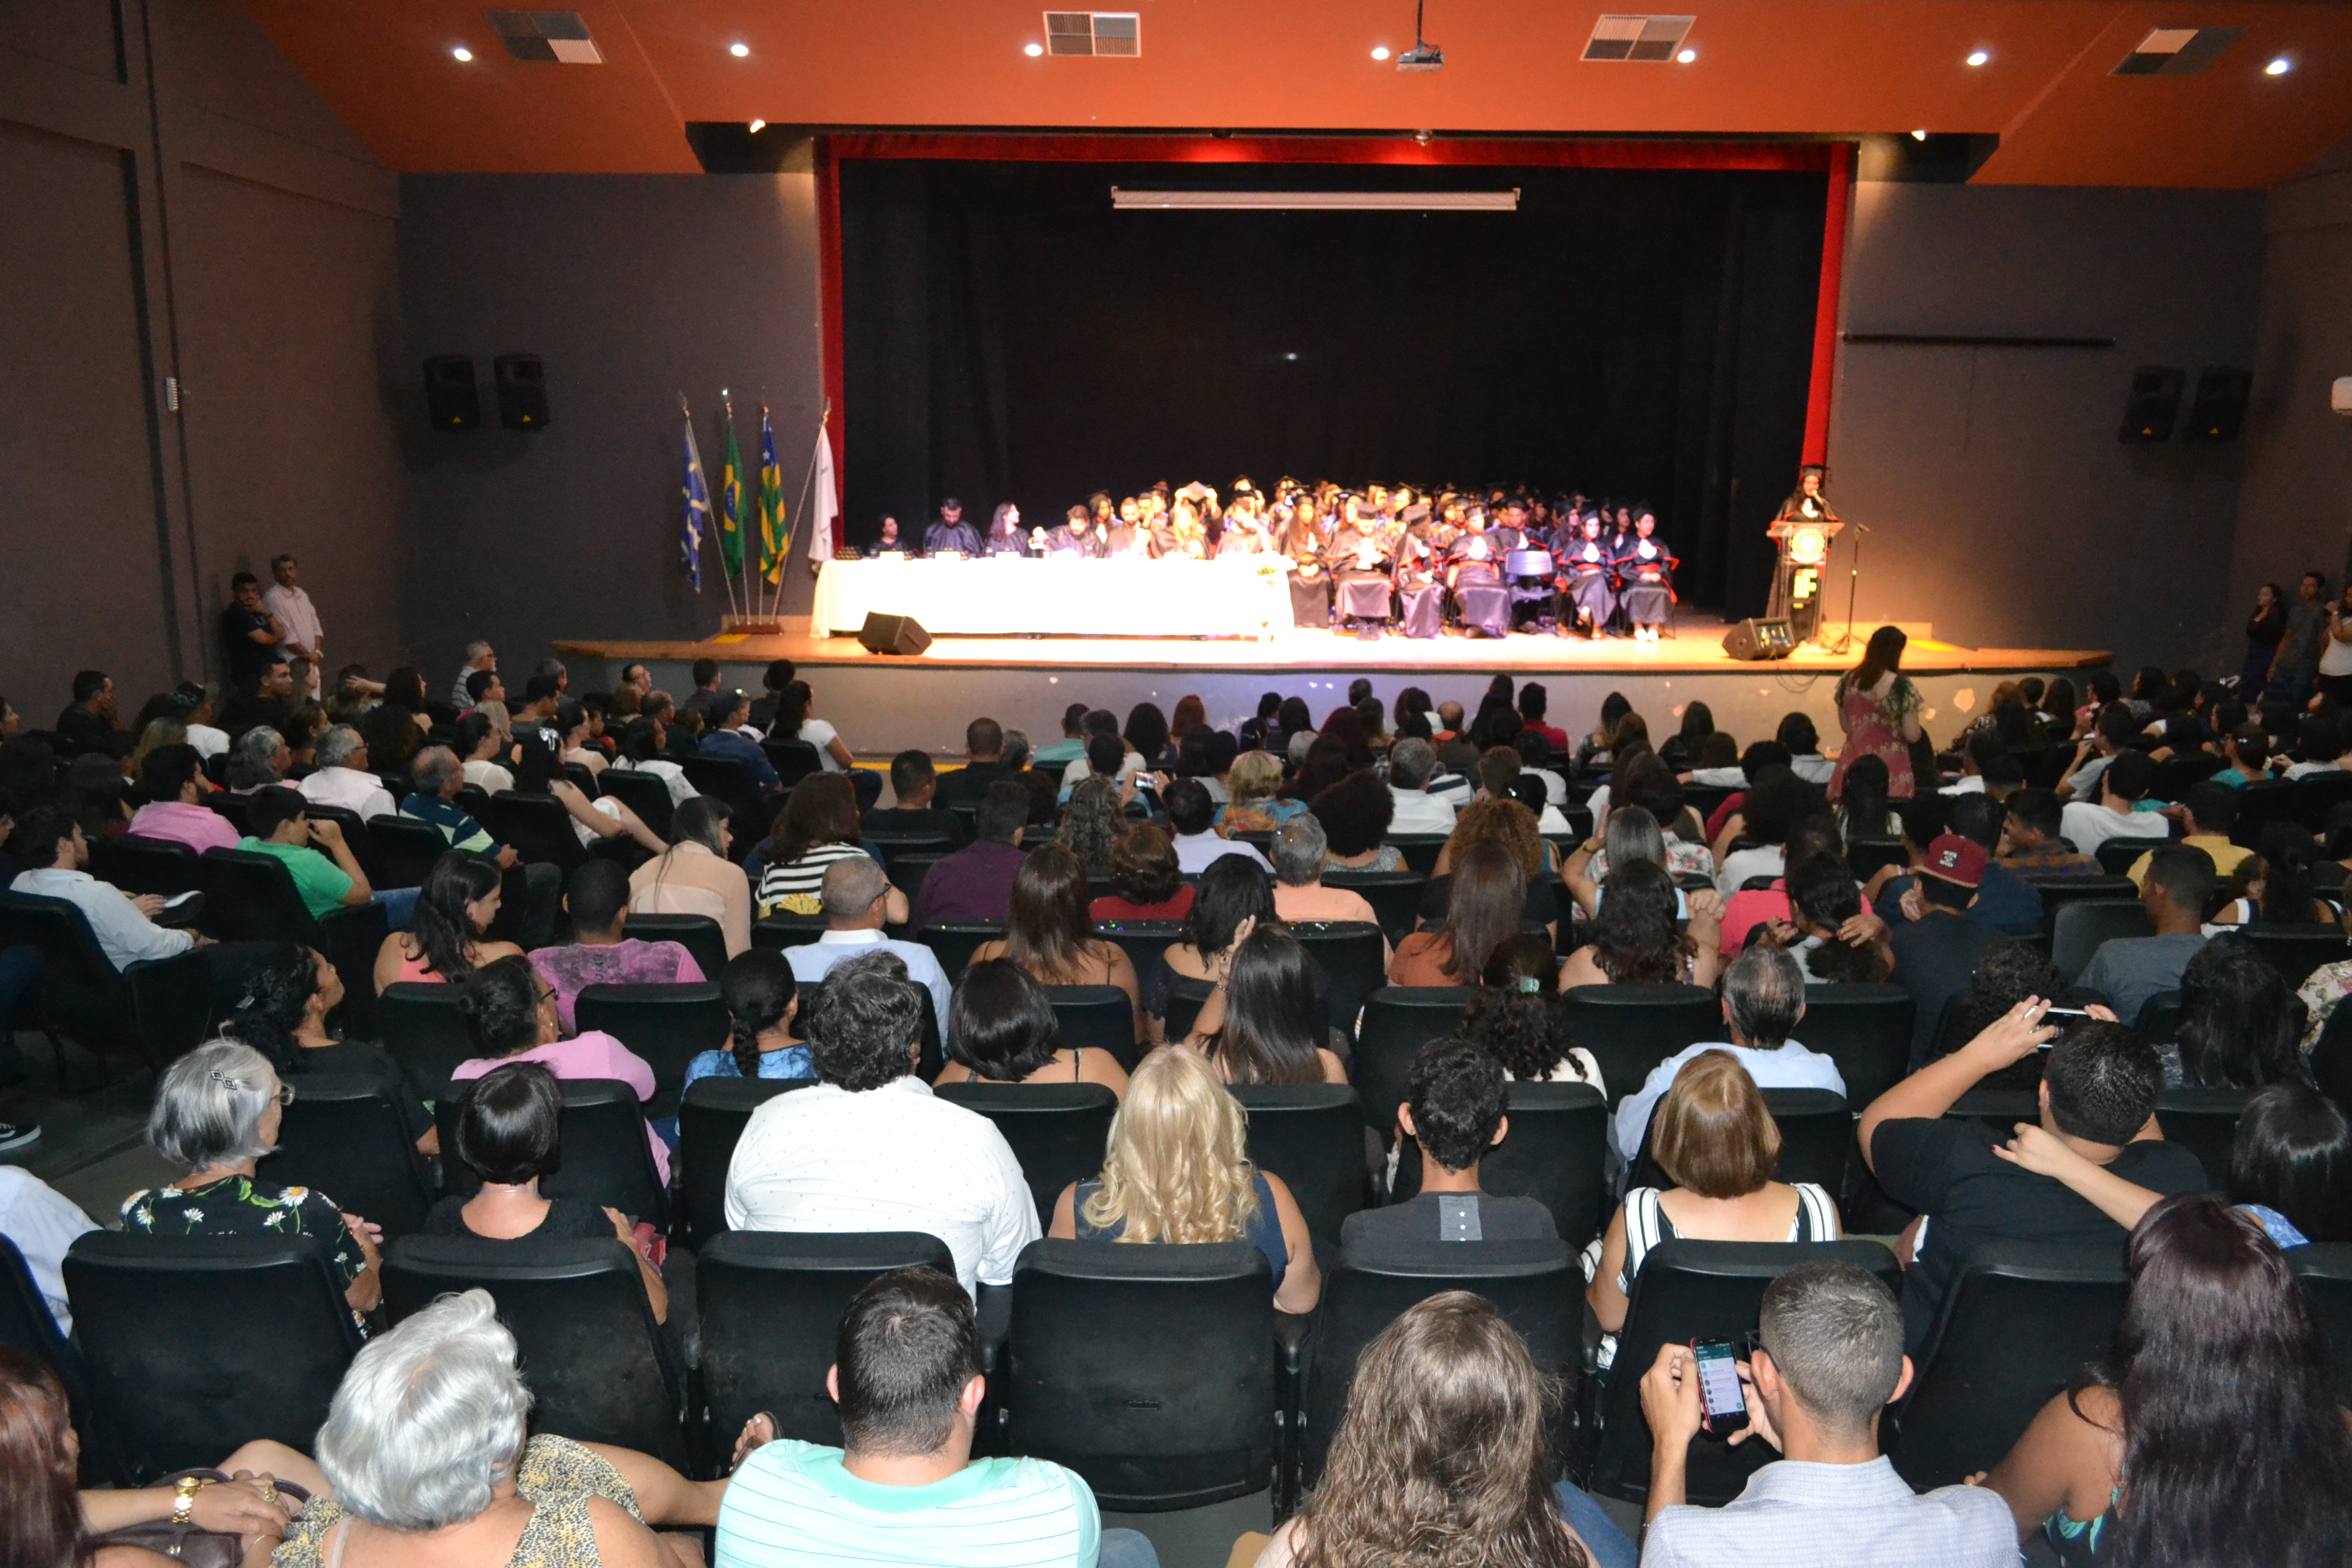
(1853, 586)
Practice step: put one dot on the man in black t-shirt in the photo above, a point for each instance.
(983, 750)
(1453, 1106)
(2100, 1085)
(251, 634)
(1937, 946)
(911, 815)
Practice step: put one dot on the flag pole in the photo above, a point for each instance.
(729, 484)
(772, 601)
(686, 412)
(809, 480)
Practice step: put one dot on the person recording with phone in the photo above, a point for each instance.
(1828, 1358)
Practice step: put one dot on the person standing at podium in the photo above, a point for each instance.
(950, 531)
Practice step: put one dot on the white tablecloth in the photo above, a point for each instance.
(1064, 595)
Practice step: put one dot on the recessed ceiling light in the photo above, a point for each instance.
(1688, 56)
(739, 50)
(2279, 66)
(757, 126)
(461, 54)
(1033, 51)
(1919, 136)
(1979, 58)
(1380, 53)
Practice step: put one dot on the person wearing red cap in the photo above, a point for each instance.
(1937, 946)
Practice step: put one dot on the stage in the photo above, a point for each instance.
(884, 703)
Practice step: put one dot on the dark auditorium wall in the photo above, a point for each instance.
(632, 288)
(182, 203)
(2003, 508)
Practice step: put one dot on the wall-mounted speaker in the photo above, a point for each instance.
(893, 633)
(2217, 412)
(2154, 405)
(522, 392)
(451, 399)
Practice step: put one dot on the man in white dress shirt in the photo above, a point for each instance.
(292, 606)
(1763, 1000)
(870, 1148)
(855, 898)
(343, 779)
(1411, 764)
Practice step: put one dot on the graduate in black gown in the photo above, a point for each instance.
(950, 531)
(1005, 534)
(1474, 573)
(1359, 569)
(888, 540)
(1304, 542)
(1419, 584)
(1645, 576)
(1075, 536)
(1588, 598)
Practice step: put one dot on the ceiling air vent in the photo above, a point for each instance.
(1651, 39)
(1093, 33)
(549, 38)
(2177, 51)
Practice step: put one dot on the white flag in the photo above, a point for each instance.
(825, 505)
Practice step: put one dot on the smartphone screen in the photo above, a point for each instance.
(1718, 1380)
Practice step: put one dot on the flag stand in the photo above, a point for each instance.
(767, 619)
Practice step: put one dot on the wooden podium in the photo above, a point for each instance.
(1804, 544)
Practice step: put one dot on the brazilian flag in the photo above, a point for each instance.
(730, 503)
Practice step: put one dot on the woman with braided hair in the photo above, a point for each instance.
(763, 1004)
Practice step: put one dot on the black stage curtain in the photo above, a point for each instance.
(1637, 334)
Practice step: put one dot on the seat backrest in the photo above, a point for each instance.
(426, 1034)
(1420, 850)
(777, 932)
(793, 760)
(1535, 1285)
(1398, 1021)
(1312, 1136)
(1865, 1029)
(1555, 1151)
(1149, 1370)
(1102, 1017)
(2019, 1321)
(250, 897)
(2058, 892)
(537, 826)
(405, 849)
(2316, 795)
(2205, 1122)
(2079, 927)
(1700, 1290)
(2116, 857)
(147, 866)
(643, 794)
(257, 1338)
(1629, 1029)
(1354, 961)
(2325, 1269)
(1141, 941)
(770, 1303)
(172, 1003)
(698, 934)
(1186, 996)
(725, 777)
(711, 1115)
(356, 832)
(606, 1159)
(670, 1026)
(1867, 856)
(27, 1327)
(345, 1137)
(1057, 1129)
(1395, 897)
(2258, 806)
(79, 994)
(1816, 1132)
(584, 1332)
(2297, 950)
(953, 942)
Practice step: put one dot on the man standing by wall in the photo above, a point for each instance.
(2297, 664)
(285, 599)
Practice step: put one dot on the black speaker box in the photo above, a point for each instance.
(893, 633)
(522, 392)
(452, 401)
(2154, 405)
(2217, 412)
(1754, 640)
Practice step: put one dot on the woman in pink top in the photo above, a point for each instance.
(175, 812)
(511, 1014)
(444, 939)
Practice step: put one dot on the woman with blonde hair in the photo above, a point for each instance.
(1176, 1169)
(1251, 805)
(1440, 1460)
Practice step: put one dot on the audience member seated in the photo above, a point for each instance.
(1102, 724)
(2100, 1085)
(904, 1490)
(695, 875)
(1412, 764)
(1829, 1359)
(914, 784)
(1763, 1002)
(1002, 1029)
(1444, 1440)
(817, 827)
(446, 940)
(289, 992)
(216, 1111)
(2003, 898)
(1453, 1106)
(1264, 1021)
(870, 1148)
(1499, 768)
(796, 720)
(1834, 940)
(257, 758)
(1936, 946)
(2238, 1025)
(1233, 899)
(642, 751)
(2123, 783)
(2032, 838)
(1176, 1169)
(327, 875)
(1634, 939)
(1484, 903)
(2291, 1166)
(2247, 749)
(601, 952)
(2112, 734)
(41, 1223)
(726, 714)
(91, 723)
(2129, 970)
(1048, 935)
(1714, 1139)
(856, 902)
(510, 1131)
(49, 845)
(1516, 1019)
(483, 737)
(1252, 804)
(763, 1000)
(2206, 813)
(983, 749)
(1092, 824)
(510, 1012)
(171, 778)
(343, 779)
(977, 883)
(2214, 1403)
(1300, 851)
(437, 781)
(1357, 813)
(1145, 884)
(1197, 845)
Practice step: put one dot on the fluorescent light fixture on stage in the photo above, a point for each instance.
(1125, 200)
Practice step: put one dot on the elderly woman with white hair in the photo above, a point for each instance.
(425, 1449)
(216, 1112)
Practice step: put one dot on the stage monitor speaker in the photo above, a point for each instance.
(2217, 412)
(452, 401)
(893, 633)
(522, 392)
(1754, 640)
(2154, 405)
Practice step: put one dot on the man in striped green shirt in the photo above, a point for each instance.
(905, 1489)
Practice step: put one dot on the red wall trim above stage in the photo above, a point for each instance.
(1797, 156)
(1825, 308)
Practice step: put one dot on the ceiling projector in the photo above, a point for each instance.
(1422, 58)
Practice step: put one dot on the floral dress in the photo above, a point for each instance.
(558, 1476)
(240, 1205)
(1873, 721)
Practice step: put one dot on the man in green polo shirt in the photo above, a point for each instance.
(328, 877)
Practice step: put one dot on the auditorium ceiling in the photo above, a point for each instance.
(2207, 110)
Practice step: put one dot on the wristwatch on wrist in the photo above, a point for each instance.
(183, 1497)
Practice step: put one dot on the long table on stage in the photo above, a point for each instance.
(1061, 595)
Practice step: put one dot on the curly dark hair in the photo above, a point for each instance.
(1634, 936)
(277, 989)
(2007, 975)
